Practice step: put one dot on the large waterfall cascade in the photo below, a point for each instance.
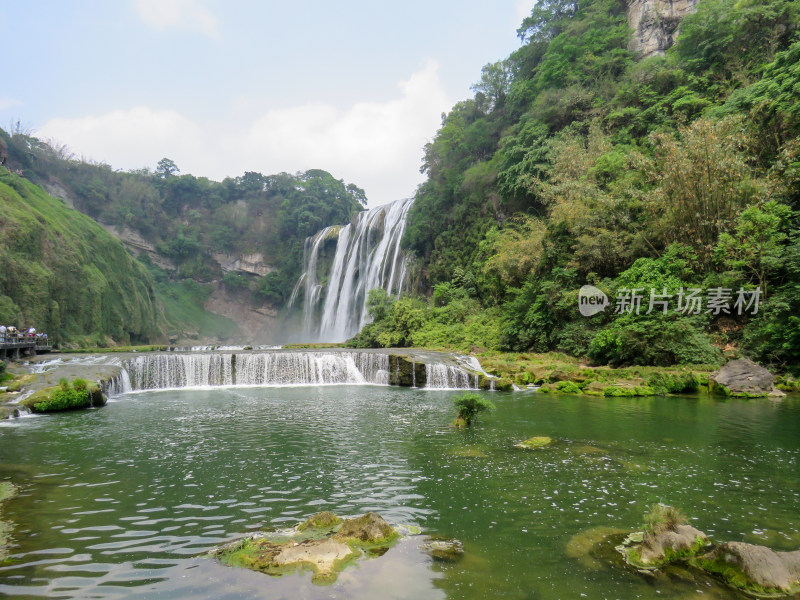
(368, 256)
(172, 370)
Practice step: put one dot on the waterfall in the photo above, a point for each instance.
(160, 371)
(368, 256)
(270, 368)
(443, 376)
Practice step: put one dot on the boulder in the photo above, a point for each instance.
(369, 528)
(680, 541)
(654, 550)
(98, 397)
(742, 378)
(321, 520)
(752, 568)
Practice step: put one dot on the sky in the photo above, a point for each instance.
(226, 86)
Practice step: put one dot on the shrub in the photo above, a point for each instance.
(568, 387)
(469, 405)
(66, 397)
(660, 518)
(674, 383)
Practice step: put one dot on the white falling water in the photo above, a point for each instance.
(169, 371)
(441, 376)
(368, 256)
(174, 370)
(163, 371)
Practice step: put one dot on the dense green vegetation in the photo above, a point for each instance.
(189, 219)
(67, 396)
(575, 163)
(62, 273)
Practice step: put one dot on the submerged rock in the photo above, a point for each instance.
(535, 442)
(443, 550)
(743, 378)
(594, 546)
(754, 569)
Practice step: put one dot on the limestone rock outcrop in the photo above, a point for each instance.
(656, 24)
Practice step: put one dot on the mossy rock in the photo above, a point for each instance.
(618, 391)
(370, 529)
(443, 550)
(469, 452)
(314, 545)
(325, 558)
(321, 520)
(535, 443)
(459, 423)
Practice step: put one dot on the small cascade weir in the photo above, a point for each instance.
(368, 256)
(173, 370)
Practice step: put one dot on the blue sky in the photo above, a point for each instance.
(223, 87)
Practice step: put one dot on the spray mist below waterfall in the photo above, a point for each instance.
(368, 256)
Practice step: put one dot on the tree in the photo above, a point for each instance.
(166, 168)
(756, 246)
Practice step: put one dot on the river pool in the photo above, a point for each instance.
(122, 502)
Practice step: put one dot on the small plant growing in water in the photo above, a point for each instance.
(661, 518)
(469, 405)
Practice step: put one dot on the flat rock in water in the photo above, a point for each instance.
(322, 554)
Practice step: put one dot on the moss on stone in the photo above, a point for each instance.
(369, 529)
(321, 520)
(535, 442)
(735, 577)
(316, 545)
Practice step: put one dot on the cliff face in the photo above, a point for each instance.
(655, 23)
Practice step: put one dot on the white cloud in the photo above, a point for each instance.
(6, 102)
(180, 14)
(376, 145)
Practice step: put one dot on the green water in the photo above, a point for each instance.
(122, 502)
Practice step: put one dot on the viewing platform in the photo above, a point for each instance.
(14, 349)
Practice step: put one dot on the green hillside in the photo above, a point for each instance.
(63, 274)
(577, 163)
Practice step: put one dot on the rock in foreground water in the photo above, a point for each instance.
(323, 544)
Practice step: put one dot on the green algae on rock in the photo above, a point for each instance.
(323, 544)
(535, 442)
(321, 520)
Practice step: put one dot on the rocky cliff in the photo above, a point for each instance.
(655, 23)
